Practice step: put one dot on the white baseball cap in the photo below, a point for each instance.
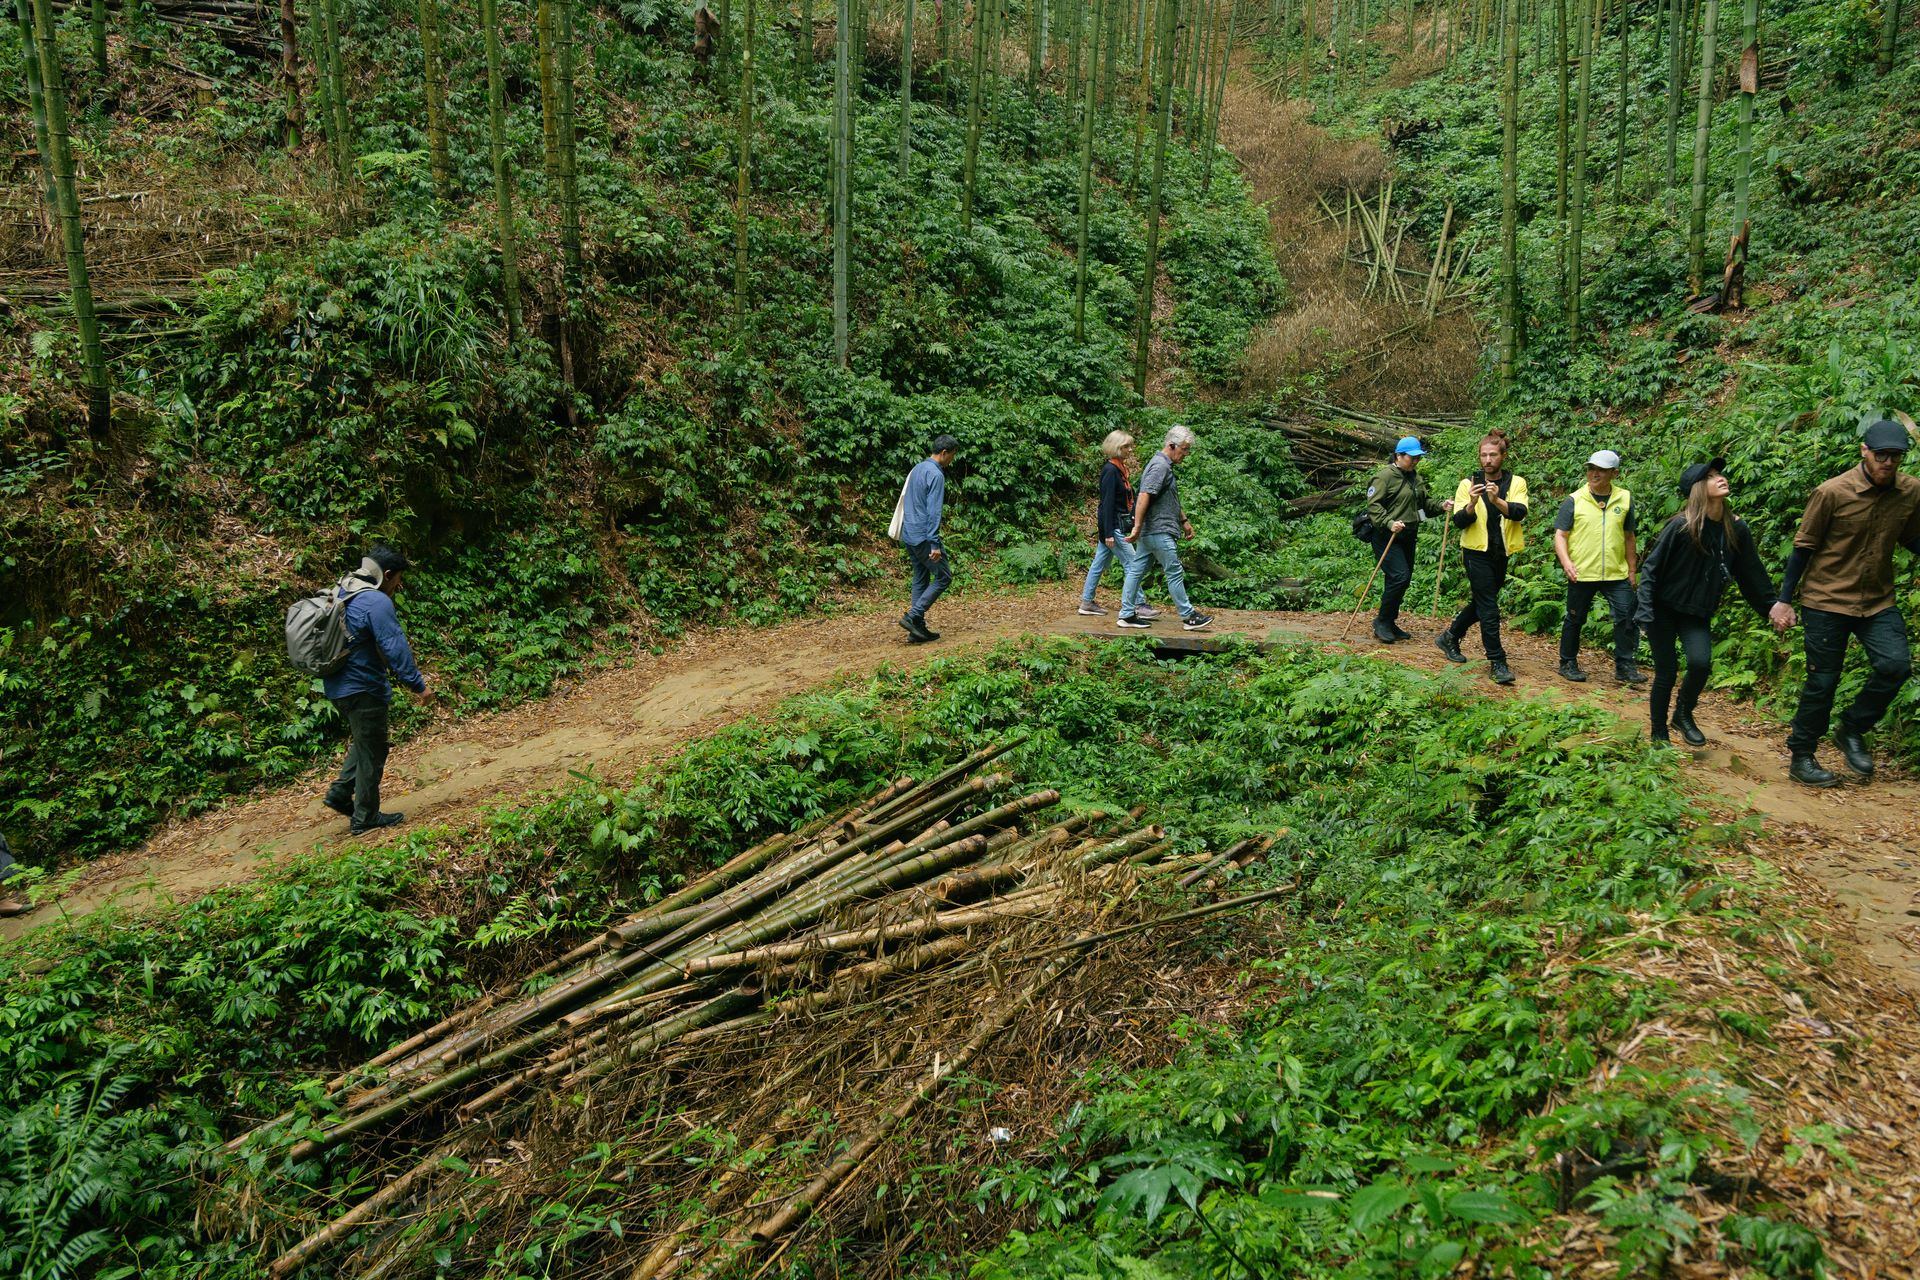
(1606, 458)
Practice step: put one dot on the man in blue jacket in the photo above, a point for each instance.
(921, 502)
(361, 689)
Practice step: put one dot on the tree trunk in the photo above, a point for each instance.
(436, 96)
(1676, 39)
(549, 92)
(572, 260)
(1577, 214)
(906, 92)
(97, 29)
(1219, 101)
(1620, 125)
(1145, 88)
(344, 154)
(842, 171)
(1889, 36)
(1086, 193)
(1702, 124)
(37, 102)
(1509, 204)
(53, 90)
(1163, 121)
(290, 71)
(1560, 136)
(745, 184)
(323, 85)
(502, 176)
(1743, 149)
(970, 162)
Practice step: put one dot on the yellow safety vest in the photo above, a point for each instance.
(1474, 536)
(1598, 542)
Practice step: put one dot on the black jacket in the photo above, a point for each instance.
(1116, 504)
(1679, 576)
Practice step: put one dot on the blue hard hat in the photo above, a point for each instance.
(1409, 445)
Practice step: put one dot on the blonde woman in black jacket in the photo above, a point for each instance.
(1682, 580)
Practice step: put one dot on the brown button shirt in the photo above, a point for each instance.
(1852, 528)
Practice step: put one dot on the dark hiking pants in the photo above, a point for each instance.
(359, 782)
(1620, 603)
(1884, 636)
(1670, 631)
(1486, 574)
(1396, 570)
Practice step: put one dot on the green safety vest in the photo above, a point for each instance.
(1598, 543)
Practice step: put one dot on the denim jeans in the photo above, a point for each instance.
(1620, 603)
(1104, 555)
(1884, 636)
(8, 867)
(1486, 574)
(1692, 633)
(359, 780)
(1164, 549)
(930, 576)
(1397, 569)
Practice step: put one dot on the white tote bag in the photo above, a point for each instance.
(899, 521)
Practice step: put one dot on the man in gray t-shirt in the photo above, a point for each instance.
(1158, 525)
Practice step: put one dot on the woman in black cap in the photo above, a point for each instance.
(1682, 580)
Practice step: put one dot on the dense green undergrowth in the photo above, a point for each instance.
(354, 382)
(1830, 333)
(1443, 845)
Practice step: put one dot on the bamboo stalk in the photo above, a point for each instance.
(373, 1204)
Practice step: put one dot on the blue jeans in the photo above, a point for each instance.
(1889, 657)
(1163, 548)
(1104, 555)
(930, 576)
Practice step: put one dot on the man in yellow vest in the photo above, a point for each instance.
(1593, 540)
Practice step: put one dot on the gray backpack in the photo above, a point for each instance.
(317, 640)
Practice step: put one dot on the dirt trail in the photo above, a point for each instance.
(1862, 843)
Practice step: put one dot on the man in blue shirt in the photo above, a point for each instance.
(360, 689)
(920, 503)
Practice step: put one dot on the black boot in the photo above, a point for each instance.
(1447, 643)
(1683, 721)
(1501, 673)
(379, 820)
(1400, 632)
(1628, 673)
(1806, 770)
(1383, 632)
(1854, 753)
(1570, 670)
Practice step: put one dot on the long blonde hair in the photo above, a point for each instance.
(1696, 514)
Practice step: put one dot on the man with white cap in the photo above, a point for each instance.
(1397, 504)
(1593, 540)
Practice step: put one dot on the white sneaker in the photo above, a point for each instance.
(1090, 610)
(1133, 620)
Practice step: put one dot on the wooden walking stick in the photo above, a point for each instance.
(1361, 602)
(1446, 527)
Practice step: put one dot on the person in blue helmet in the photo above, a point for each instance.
(1397, 504)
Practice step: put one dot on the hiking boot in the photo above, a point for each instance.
(1628, 673)
(1088, 609)
(928, 632)
(1196, 620)
(342, 807)
(1132, 620)
(1806, 770)
(1448, 644)
(1570, 670)
(1384, 633)
(379, 820)
(1400, 633)
(1854, 754)
(916, 628)
(1683, 721)
(1500, 671)
(14, 904)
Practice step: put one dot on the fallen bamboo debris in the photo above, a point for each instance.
(943, 882)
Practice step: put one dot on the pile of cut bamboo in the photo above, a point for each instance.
(802, 927)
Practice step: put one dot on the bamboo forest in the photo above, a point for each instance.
(959, 639)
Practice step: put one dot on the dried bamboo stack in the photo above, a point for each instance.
(801, 926)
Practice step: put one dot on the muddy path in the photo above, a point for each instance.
(1862, 843)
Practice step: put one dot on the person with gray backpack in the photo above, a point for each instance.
(353, 640)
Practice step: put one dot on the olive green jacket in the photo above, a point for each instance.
(1393, 494)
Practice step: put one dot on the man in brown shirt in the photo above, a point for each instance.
(1843, 564)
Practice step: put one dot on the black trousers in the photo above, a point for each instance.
(1884, 636)
(1620, 603)
(1486, 574)
(359, 780)
(1396, 570)
(1694, 634)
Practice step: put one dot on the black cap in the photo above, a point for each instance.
(1885, 434)
(389, 560)
(1699, 471)
(945, 444)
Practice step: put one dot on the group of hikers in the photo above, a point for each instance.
(1841, 568)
